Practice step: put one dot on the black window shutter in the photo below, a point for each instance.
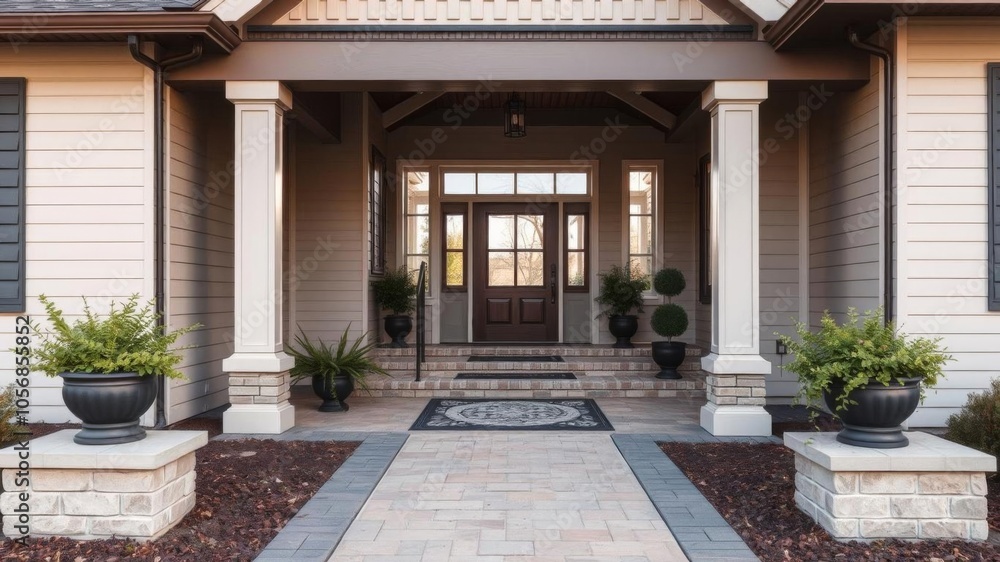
(12, 194)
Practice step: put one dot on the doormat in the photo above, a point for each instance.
(510, 358)
(517, 376)
(487, 414)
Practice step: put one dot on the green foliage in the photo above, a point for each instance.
(7, 412)
(977, 425)
(669, 320)
(127, 340)
(395, 291)
(860, 351)
(621, 290)
(669, 282)
(317, 358)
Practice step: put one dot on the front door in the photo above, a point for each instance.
(515, 277)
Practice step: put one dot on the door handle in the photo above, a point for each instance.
(552, 283)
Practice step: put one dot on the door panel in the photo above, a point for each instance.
(514, 275)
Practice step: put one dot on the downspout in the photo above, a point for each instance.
(159, 181)
(888, 157)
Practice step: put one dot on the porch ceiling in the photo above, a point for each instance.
(547, 108)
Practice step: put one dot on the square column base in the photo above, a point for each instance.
(930, 489)
(736, 421)
(270, 419)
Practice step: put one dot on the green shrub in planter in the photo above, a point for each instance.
(621, 291)
(127, 340)
(860, 351)
(669, 320)
(977, 425)
(395, 291)
(7, 411)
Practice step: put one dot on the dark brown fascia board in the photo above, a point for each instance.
(781, 31)
(40, 24)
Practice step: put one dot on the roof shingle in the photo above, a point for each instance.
(43, 6)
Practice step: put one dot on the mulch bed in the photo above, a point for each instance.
(247, 490)
(753, 486)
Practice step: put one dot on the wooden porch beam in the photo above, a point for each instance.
(401, 110)
(647, 107)
(685, 119)
(325, 127)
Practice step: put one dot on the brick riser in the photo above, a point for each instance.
(693, 386)
(641, 350)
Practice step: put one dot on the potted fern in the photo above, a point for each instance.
(621, 293)
(109, 366)
(394, 292)
(866, 372)
(670, 321)
(334, 371)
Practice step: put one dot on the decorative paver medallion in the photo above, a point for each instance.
(582, 414)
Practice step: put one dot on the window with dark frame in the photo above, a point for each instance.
(376, 212)
(455, 239)
(577, 247)
(705, 230)
(12, 137)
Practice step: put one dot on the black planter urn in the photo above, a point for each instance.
(623, 328)
(669, 355)
(875, 421)
(108, 405)
(398, 326)
(334, 395)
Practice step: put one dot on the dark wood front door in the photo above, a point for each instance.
(514, 261)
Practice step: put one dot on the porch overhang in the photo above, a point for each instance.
(459, 65)
(166, 27)
(824, 22)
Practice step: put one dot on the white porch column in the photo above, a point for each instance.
(258, 370)
(735, 381)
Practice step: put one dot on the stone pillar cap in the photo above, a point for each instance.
(58, 450)
(925, 453)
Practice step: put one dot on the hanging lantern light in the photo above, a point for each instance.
(513, 125)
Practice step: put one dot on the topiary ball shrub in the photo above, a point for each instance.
(977, 425)
(669, 320)
(669, 282)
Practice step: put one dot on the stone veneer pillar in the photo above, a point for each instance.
(258, 368)
(735, 381)
(136, 490)
(930, 489)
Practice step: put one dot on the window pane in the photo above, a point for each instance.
(641, 203)
(535, 183)
(413, 266)
(496, 184)
(501, 269)
(643, 263)
(418, 235)
(417, 202)
(640, 181)
(640, 235)
(530, 229)
(576, 232)
(417, 181)
(501, 232)
(459, 183)
(571, 183)
(530, 269)
(575, 269)
(455, 269)
(455, 232)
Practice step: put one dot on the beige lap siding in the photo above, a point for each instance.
(89, 197)
(943, 200)
(200, 263)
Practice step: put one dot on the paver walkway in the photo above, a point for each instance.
(505, 496)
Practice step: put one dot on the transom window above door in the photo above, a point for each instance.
(520, 182)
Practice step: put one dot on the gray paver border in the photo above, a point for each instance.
(318, 527)
(701, 532)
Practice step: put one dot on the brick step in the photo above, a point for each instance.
(566, 351)
(576, 365)
(443, 385)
